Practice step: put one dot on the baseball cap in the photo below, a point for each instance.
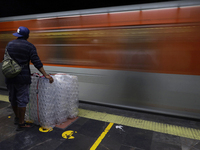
(22, 32)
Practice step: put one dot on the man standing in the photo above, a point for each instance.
(22, 52)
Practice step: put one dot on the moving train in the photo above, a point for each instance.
(143, 57)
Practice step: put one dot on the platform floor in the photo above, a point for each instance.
(102, 128)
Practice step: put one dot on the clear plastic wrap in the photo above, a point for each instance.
(52, 104)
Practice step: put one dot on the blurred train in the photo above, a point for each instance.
(143, 57)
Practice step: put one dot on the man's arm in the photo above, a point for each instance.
(46, 75)
(38, 64)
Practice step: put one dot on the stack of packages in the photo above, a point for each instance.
(52, 104)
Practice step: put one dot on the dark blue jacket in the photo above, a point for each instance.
(22, 52)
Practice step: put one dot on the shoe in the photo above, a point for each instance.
(24, 126)
(16, 121)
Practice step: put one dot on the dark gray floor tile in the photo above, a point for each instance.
(48, 144)
(166, 138)
(80, 142)
(4, 104)
(91, 127)
(81, 121)
(188, 144)
(197, 145)
(8, 120)
(114, 138)
(6, 132)
(192, 148)
(123, 147)
(4, 92)
(164, 146)
(33, 139)
(6, 111)
(7, 127)
(104, 147)
(138, 138)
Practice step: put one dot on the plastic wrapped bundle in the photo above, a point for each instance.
(52, 104)
(72, 97)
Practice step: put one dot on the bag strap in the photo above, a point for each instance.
(6, 55)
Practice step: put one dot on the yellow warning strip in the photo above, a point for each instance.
(137, 123)
(98, 141)
(142, 124)
(4, 98)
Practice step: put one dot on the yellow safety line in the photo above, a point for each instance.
(98, 141)
(4, 98)
(137, 123)
(142, 124)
